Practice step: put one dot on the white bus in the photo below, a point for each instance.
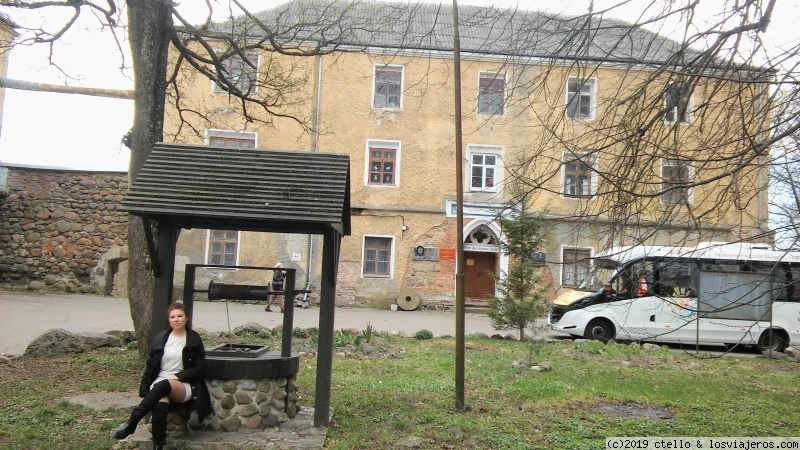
(715, 293)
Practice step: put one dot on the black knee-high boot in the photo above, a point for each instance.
(157, 392)
(159, 425)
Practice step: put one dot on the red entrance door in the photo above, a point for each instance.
(478, 283)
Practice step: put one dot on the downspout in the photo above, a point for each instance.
(310, 250)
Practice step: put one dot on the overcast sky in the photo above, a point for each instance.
(82, 132)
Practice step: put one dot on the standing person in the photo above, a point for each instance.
(277, 285)
(174, 373)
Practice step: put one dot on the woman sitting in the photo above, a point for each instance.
(174, 373)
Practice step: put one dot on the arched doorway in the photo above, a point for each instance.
(481, 257)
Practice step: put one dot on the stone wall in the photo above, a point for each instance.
(60, 230)
(251, 404)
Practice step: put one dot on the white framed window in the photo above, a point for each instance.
(485, 168)
(579, 175)
(581, 98)
(231, 139)
(676, 177)
(240, 73)
(491, 93)
(387, 92)
(222, 247)
(377, 260)
(576, 265)
(382, 163)
(678, 103)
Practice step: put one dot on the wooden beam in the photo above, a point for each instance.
(162, 288)
(330, 261)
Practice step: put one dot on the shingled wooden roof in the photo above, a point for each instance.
(255, 190)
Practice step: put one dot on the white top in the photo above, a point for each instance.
(172, 361)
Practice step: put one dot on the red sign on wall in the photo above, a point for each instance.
(447, 253)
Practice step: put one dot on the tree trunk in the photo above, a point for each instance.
(150, 24)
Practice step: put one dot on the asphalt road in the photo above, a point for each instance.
(25, 316)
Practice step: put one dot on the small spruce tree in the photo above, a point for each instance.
(522, 292)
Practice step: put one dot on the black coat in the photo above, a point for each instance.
(194, 363)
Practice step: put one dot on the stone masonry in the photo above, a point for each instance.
(60, 230)
(250, 404)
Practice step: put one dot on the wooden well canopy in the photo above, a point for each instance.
(196, 186)
(243, 189)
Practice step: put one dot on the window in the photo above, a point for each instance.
(788, 279)
(483, 171)
(491, 93)
(239, 73)
(382, 164)
(676, 175)
(678, 103)
(231, 139)
(223, 247)
(579, 175)
(485, 168)
(388, 87)
(377, 256)
(673, 278)
(581, 98)
(576, 266)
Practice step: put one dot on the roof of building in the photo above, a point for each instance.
(482, 30)
(5, 20)
(198, 186)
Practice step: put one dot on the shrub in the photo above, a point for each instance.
(264, 334)
(341, 339)
(300, 333)
(423, 334)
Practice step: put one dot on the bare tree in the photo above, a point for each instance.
(157, 32)
(785, 187)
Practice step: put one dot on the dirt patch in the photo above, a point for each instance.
(64, 372)
(636, 410)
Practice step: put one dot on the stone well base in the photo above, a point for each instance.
(240, 404)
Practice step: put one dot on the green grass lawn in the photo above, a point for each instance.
(393, 388)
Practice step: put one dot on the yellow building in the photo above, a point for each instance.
(7, 34)
(615, 144)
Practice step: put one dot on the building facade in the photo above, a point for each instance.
(7, 34)
(610, 147)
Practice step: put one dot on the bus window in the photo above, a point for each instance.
(675, 278)
(788, 281)
(633, 279)
(745, 296)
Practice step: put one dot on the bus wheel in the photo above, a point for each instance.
(771, 341)
(599, 330)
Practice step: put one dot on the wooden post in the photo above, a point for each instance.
(460, 266)
(162, 288)
(188, 291)
(288, 312)
(330, 261)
